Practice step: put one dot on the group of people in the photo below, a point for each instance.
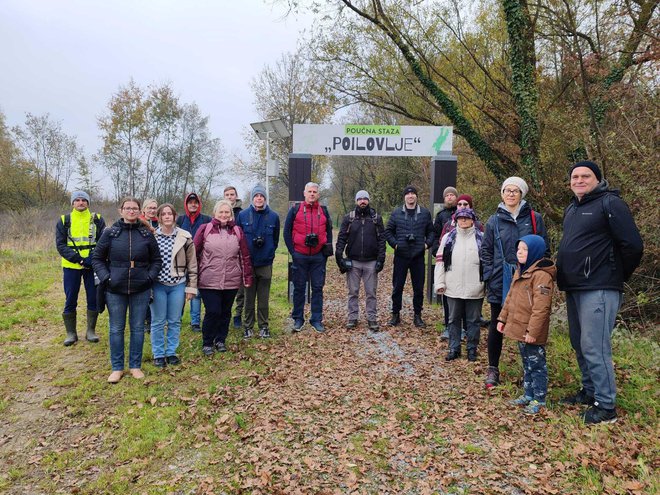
(162, 260)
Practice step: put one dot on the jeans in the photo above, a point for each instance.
(306, 267)
(417, 276)
(71, 279)
(217, 306)
(495, 338)
(535, 371)
(117, 305)
(166, 308)
(364, 271)
(259, 291)
(457, 308)
(591, 319)
(196, 309)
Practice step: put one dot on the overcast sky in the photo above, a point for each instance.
(67, 57)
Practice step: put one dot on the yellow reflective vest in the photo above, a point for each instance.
(81, 236)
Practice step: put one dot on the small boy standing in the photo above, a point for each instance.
(525, 317)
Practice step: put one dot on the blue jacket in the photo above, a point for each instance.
(261, 223)
(401, 225)
(510, 231)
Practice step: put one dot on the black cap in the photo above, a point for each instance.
(591, 166)
(192, 196)
(410, 189)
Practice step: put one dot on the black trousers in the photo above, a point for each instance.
(417, 270)
(495, 338)
(217, 305)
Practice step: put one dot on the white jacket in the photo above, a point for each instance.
(461, 281)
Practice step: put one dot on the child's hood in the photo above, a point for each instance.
(546, 265)
(535, 249)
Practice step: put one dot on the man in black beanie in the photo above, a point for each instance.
(600, 250)
(410, 232)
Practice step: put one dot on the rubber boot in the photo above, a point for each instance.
(70, 326)
(91, 326)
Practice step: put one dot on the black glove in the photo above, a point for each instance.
(342, 265)
(379, 266)
(87, 262)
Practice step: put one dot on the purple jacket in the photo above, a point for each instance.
(223, 257)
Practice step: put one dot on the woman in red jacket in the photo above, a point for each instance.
(223, 263)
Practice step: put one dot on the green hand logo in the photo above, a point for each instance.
(442, 137)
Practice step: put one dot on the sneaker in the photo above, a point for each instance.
(418, 322)
(492, 377)
(297, 325)
(595, 415)
(445, 334)
(159, 362)
(136, 373)
(534, 407)
(395, 320)
(115, 376)
(247, 334)
(208, 350)
(220, 347)
(351, 324)
(195, 327)
(238, 323)
(452, 355)
(581, 397)
(318, 327)
(373, 325)
(173, 360)
(523, 400)
(264, 333)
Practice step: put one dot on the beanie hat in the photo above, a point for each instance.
(362, 195)
(258, 189)
(518, 182)
(80, 195)
(591, 166)
(465, 213)
(465, 197)
(410, 189)
(449, 190)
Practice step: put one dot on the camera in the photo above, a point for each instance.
(312, 240)
(410, 238)
(258, 242)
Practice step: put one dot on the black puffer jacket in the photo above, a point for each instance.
(362, 239)
(401, 224)
(441, 219)
(601, 246)
(127, 258)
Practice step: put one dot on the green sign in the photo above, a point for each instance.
(372, 130)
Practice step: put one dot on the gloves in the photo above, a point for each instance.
(379, 266)
(87, 262)
(342, 265)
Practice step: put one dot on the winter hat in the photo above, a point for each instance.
(591, 166)
(410, 189)
(535, 249)
(449, 190)
(465, 213)
(465, 197)
(362, 195)
(518, 182)
(258, 189)
(80, 195)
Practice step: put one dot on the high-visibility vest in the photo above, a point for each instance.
(81, 232)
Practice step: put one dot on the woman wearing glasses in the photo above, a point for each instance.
(127, 262)
(513, 219)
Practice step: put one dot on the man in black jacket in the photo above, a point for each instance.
(600, 250)
(410, 232)
(362, 237)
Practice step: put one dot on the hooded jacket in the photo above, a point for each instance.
(264, 223)
(192, 222)
(601, 246)
(529, 302)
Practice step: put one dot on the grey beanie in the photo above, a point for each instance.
(362, 194)
(258, 189)
(448, 190)
(80, 195)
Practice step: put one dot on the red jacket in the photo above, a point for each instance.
(309, 219)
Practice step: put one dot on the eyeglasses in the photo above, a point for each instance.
(511, 192)
(126, 208)
(463, 203)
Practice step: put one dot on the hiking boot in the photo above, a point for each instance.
(115, 376)
(595, 415)
(208, 350)
(351, 324)
(318, 327)
(523, 400)
(173, 360)
(247, 334)
(70, 327)
(534, 407)
(395, 320)
(220, 347)
(492, 377)
(297, 326)
(136, 373)
(373, 325)
(159, 362)
(453, 355)
(472, 355)
(92, 316)
(264, 333)
(581, 397)
(238, 323)
(195, 327)
(418, 322)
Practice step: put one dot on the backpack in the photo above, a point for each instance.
(351, 217)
